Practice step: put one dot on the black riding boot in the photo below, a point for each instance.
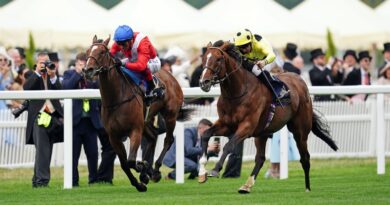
(149, 93)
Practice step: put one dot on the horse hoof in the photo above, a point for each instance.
(202, 178)
(141, 187)
(308, 190)
(156, 177)
(244, 190)
(213, 173)
(144, 178)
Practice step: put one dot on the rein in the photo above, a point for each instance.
(103, 68)
(216, 80)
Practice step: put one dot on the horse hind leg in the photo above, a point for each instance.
(300, 132)
(120, 150)
(170, 122)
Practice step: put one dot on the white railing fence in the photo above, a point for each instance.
(354, 127)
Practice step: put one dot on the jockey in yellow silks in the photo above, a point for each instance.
(259, 51)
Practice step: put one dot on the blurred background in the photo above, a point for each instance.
(67, 26)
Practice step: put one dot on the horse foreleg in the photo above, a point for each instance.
(135, 141)
(120, 150)
(241, 133)
(260, 143)
(218, 129)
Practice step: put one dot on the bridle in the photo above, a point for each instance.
(107, 55)
(215, 79)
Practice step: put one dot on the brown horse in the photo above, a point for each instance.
(244, 107)
(123, 111)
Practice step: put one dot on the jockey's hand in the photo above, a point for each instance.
(124, 61)
(261, 63)
(118, 62)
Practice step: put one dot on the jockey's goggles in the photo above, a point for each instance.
(243, 46)
(121, 43)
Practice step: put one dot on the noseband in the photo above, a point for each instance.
(102, 68)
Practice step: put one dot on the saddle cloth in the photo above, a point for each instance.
(138, 79)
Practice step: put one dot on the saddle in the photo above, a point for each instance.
(139, 80)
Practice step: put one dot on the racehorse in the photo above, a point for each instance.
(244, 110)
(123, 112)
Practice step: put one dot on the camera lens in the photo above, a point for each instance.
(51, 66)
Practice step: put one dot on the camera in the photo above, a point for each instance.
(47, 64)
(50, 65)
(18, 111)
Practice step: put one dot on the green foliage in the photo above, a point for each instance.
(198, 4)
(373, 3)
(333, 181)
(30, 51)
(107, 4)
(331, 50)
(289, 4)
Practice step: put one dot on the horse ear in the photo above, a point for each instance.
(225, 45)
(107, 40)
(209, 44)
(94, 39)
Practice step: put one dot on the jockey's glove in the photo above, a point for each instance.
(124, 61)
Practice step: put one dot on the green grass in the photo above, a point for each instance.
(335, 181)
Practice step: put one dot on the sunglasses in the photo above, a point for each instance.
(3, 59)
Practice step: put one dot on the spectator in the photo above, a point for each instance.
(39, 132)
(86, 120)
(105, 173)
(234, 163)
(56, 60)
(359, 76)
(166, 63)
(290, 52)
(192, 150)
(6, 75)
(195, 77)
(349, 62)
(386, 56)
(385, 78)
(320, 75)
(181, 65)
(18, 57)
(293, 154)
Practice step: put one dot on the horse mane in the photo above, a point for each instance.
(233, 52)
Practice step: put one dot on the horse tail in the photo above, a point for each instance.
(321, 130)
(184, 113)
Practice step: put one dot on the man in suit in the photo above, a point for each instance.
(290, 52)
(192, 150)
(386, 56)
(359, 76)
(320, 75)
(86, 120)
(41, 117)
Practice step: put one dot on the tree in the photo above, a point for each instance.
(30, 51)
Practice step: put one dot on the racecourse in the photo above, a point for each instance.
(333, 181)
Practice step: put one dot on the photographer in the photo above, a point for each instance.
(44, 119)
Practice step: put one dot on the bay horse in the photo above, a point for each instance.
(123, 112)
(244, 108)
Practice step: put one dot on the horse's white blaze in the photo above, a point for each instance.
(202, 163)
(207, 62)
(92, 49)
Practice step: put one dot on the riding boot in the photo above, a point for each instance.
(149, 93)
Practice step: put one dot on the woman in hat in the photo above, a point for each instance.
(385, 78)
